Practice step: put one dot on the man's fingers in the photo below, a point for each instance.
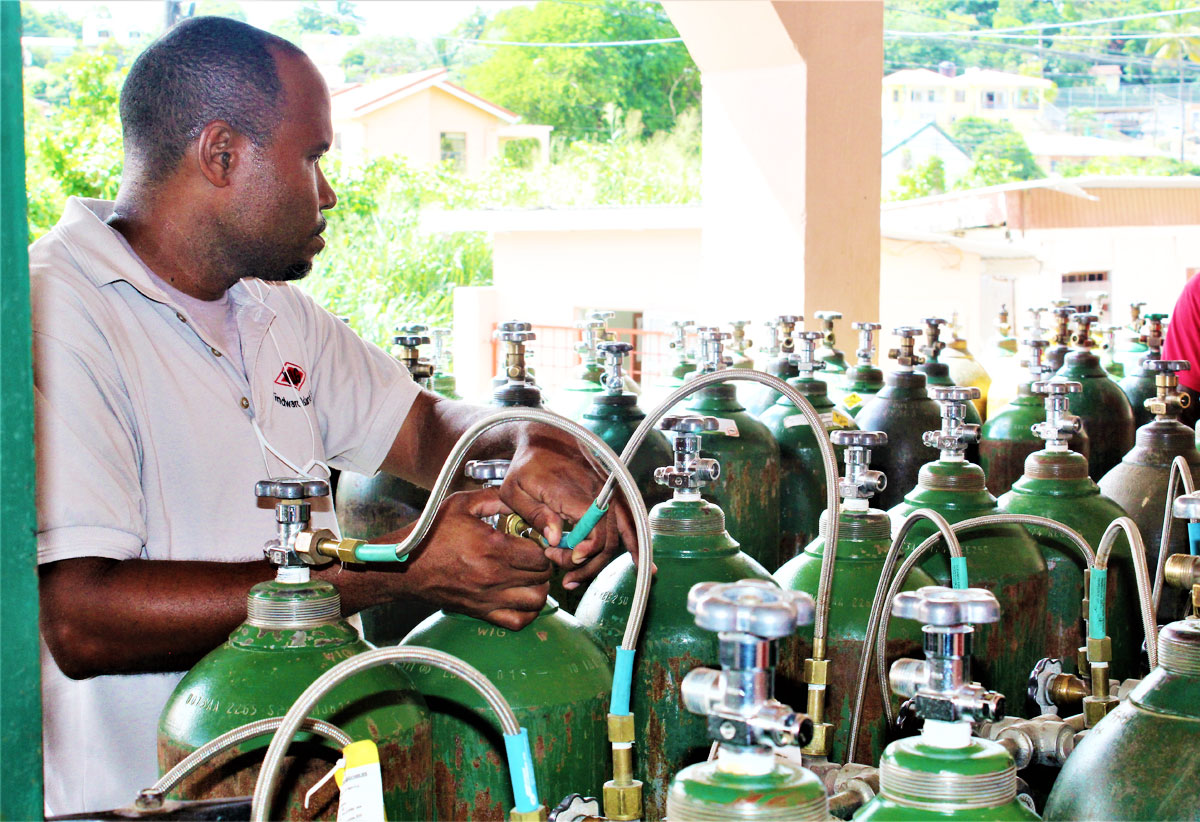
(482, 503)
(525, 555)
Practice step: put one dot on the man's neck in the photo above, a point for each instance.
(155, 235)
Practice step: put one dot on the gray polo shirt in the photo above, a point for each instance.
(147, 449)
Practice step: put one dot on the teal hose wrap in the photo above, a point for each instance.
(584, 527)
(1096, 606)
(958, 572)
(378, 553)
(520, 771)
(1194, 538)
(618, 703)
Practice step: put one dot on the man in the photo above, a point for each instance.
(1183, 343)
(175, 366)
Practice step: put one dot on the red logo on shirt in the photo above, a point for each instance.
(290, 376)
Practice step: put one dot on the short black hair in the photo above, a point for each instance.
(201, 70)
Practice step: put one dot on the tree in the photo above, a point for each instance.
(312, 19)
(54, 23)
(221, 8)
(997, 140)
(376, 57)
(924, 180)
(1179, 44)
(570, 88)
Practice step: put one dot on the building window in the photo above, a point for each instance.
(1027, 98)
(931, 96)
(895, 95)
(993, 99)
(960, 95)
(454, 149)
(1085, 277)
(915, 96)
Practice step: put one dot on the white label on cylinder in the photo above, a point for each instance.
(827, 420)
(727, 427)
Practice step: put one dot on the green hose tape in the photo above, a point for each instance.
(958, 572)
(584, 527)
(378, 553)
(618, 703)
(1096, 606)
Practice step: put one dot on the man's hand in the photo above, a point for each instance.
(467, 566)
(551, 481)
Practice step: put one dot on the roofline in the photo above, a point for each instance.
(984, 248)
(1067, 185)
(940, 130)
(435, 80)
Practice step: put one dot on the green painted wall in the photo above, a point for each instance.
(20, 673)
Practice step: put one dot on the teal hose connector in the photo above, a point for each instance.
(584, 527)
(520, 770)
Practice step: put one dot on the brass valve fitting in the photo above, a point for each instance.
(322, 546)
(622, 793)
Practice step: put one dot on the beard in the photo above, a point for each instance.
(254, 254)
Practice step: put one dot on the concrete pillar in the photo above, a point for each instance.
(792, 144)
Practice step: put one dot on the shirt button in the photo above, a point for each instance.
(215, 352)
(181, 318)
(245, 403)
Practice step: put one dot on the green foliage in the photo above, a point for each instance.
(924, 180)
(989, 170)
(312, 19)
(584, 92)
(54, 23)
(376, 57)
(1140, 166)
(996, 149)
(73, 136)
(221, 8)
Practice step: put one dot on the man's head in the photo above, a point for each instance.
(233, 121)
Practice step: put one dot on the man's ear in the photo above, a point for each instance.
(218, 151)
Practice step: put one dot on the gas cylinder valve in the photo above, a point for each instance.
(932, 349)
(771, 349)
(515, 334)
(1082, 338)
(679, 331)
(1060, 424)
(1169, 402)
(739, 342)
(1062, 322)
(491, 474)
(743, 715)
(866, 341)
(860, 483)
(905, 355)
(292, 515)
(1182, 571)
(805, 355)
(1035, 328)
(828, 318)
(613, 353)
(408, 341)
(690, 470)
(1037, 351)
(1002, 324)
(956, 434)
(712, 350)
(787, 327)
(940, 686)
(441, 351)
(1152, 335)
(593, 330)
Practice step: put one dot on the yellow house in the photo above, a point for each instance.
(425, 118)
(918, 95)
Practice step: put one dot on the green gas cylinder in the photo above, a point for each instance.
(937, 373)
(1103, 407)
(903, 411)
(557, 681)
(1003, 559)
(293, 633)
(834, 358)
(776, 361)
(1055, 484)
(1142, 761)
(575, 397)
(748, 488)
(802, 495)
(746, 780)
(863, 380)
(1003, 364)
(945, 773)
(442, 382)
(864, 535)
(690, 545)
(1060, 338)
(369, 507)
(517, 388)
(1131, 348)
(1139, 483)
(615, 415)
(1138, 384)
(1108, 359)
(657, 388)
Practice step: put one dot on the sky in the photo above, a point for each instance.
(408, 18)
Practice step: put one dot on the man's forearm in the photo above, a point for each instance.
(104, 616)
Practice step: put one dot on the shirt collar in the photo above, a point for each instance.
(84, 225)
